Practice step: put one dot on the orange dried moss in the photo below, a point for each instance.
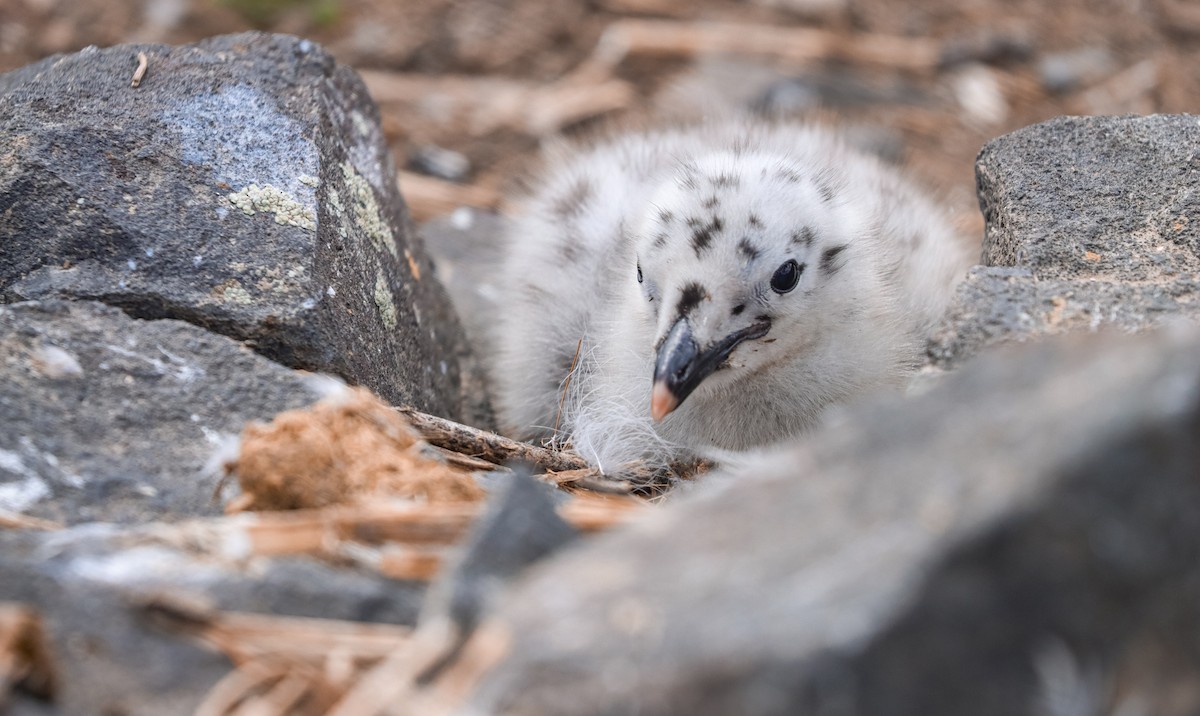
(342, 450)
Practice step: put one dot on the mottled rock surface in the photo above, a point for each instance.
(1091, 222)
(244, 186)
(1114, 198)
(1024, 534)
(999, 304)
(108, 418)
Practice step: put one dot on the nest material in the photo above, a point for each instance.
(342, 450)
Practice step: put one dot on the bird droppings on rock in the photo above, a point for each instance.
(345, 449)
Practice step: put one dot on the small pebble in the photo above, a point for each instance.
(1064, 72)
(439, 162)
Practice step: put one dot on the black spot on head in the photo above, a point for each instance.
(737, 310)
(789, 175)
(703, 235)
(827, 186)
(687, 177)
(665, 217)
(804, 237)
(828, 194)
(574, 200)
(693, 222)
(660, 239)
(747, 249)
(711, 202)
(832, 259)
(755, 221)
(725, 181)
(691, 296)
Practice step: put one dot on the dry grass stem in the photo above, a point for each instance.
(15, 520)
(640, 37)
(428, 197)
(140, 72)
(567, 385)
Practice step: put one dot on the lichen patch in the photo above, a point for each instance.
(367, 214)
(385, 302)
(270, 199)
(232, 291)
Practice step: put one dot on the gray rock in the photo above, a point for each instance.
(113, 419)
(1088, 225)
(1114, 198)
(244, 186)
(995, 305)
(1022, 539)
(91, 584)
(440, 162)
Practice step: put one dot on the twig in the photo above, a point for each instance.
(671, 8)
(626, 38)
(245, 635)
(1121, 92)
(402, 540)
(315, 531)
(428, 197)
(562, 468)
(143, 63)
(1179, 17)
(487, 104)
(15, 520)
(496, 449)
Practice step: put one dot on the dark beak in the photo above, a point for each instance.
(682, 365)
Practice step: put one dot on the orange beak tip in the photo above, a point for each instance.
(662, 401)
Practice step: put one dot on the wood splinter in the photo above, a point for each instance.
(25, 660)
(143, 63)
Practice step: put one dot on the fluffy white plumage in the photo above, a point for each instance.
(659, 240)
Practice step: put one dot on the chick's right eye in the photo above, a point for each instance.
(639, 269)
(786, 276)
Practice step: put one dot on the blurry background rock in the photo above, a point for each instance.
(444, 70)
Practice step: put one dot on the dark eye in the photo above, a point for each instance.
(639, 273)
(786, 276)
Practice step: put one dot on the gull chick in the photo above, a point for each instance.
(674, 294)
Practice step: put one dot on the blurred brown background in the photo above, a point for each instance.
(470, 88)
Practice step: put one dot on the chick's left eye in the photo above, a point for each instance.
(639, 273)
(786, 276)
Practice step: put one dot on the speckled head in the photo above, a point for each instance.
(732, 257)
